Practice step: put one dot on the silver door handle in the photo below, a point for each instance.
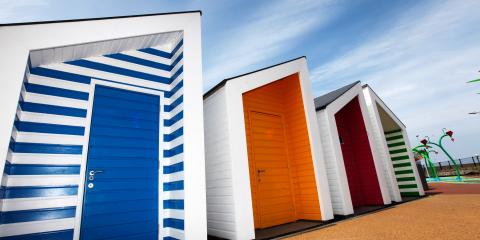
(93, 172)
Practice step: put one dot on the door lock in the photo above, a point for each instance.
(91, 174)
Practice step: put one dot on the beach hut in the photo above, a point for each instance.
(390, 136)
(102, 129)
(263, 161)
(355, 174)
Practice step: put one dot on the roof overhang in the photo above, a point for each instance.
(275, 71)
(334, 101)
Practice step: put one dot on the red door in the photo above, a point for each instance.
(353, 176)
(357, 156)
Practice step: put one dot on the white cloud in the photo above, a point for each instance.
(14, 9)
(419, 67)
(268, 32)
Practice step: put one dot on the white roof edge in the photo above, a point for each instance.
(384, 106)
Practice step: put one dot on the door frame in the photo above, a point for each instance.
(86, 139)
(292, 188)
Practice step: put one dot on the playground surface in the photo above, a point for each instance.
(450, 211)
(465, 180)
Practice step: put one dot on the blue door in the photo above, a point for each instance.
(121, 182)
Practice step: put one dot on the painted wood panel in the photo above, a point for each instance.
(121, 197)
(402, 164)
(284, 97)
(220, 199)
(357, 156)
(44, 156)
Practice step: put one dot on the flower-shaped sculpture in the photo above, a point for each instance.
(426, 143)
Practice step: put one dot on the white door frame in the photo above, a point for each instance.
(83, 166)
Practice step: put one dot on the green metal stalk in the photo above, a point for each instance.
(431, 168)
(439, 145)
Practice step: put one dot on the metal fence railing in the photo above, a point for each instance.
(467, 165)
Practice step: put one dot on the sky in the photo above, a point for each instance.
(417, 55)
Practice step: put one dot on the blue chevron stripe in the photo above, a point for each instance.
(39, 191)
(173, 120)
(177, 167)
(174, 135)
(36, 215)
(119, 70)
(21, 147)
(156, 52)
(51, 109)
(45, 72)
(140, 61)
(173, 186)
(48, 128)
(173, 223)
(171, 107)
(53, 91)
(174, 89)
(174, 151)
(173, 204)
(41, 169)
(176, 48)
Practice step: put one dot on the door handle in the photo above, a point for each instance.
(259, 171)
(93, 172)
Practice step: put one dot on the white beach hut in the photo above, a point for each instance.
(390, 136)
(356, 174)
(263, 161)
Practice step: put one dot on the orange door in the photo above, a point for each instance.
(274, 203)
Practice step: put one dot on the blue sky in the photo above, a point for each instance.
(417, 55)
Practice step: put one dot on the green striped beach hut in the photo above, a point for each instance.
(393, 144)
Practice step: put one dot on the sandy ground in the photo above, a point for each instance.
(448, 214)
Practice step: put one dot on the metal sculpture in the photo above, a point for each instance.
(427, 144)
(424, 152)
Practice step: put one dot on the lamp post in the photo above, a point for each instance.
(426, 143)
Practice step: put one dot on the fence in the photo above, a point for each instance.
(467, 166)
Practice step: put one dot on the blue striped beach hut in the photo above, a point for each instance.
(101, 130)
